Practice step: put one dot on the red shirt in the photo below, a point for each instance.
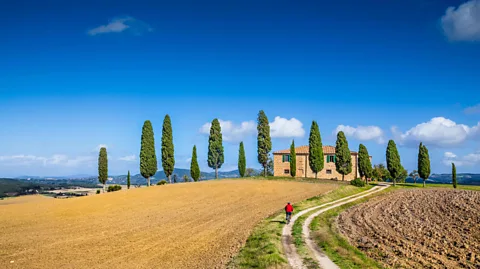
(289, 208)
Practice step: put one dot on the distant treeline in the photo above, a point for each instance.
(13, 187)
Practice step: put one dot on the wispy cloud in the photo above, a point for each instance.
(128, 158)
(462, 23)
(121, 24)
(472, 109)
(362, 133)
(472, 159)
(232, 132)
(56, 159)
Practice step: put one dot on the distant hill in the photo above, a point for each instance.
(80, 176)
(463, 178)
(15, 187)
(138, 179)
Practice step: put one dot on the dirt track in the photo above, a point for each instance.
(194, 225)
(418, 228)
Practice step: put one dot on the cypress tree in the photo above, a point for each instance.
(343, 157)
(423, 163)
(364, 164)
(215, 147)
(454, 176)
(168, 158)
(242, 163)
(293, 160)
(194, 168)
(128, 180)
(315, 149)
(103, 167)
(394, 165)
(264, 142)
(148, 158)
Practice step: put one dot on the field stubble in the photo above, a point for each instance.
(417, 228)
(194, 225)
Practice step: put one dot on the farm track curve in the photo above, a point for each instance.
(294, 259)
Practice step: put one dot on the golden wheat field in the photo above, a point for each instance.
(23, 200)
(193, 225)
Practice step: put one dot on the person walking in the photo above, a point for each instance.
(288, 212)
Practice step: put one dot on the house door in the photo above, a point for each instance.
(300, 173)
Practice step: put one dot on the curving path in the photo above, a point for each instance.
(290, 250)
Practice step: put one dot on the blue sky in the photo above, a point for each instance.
(78, 75)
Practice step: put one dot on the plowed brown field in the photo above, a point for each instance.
(194, 225)
(418, 229)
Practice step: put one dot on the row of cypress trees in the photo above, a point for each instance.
(216, 158)
(148, 157)
(343, 162)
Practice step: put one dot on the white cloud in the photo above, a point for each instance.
(188, 160)
(462, 23)
(128, 158)
(121, 24)
(56, 159)
(232, 132)
(282, 127)
(472, 159)
(472, 109)
(449, 155)
(439, 131)
(362, 133)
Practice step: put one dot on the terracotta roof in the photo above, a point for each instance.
(304, 150)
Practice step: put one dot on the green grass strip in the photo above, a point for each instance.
(263, 248)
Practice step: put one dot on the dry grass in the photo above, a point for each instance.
(194, 225)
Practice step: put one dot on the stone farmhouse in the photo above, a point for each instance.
(281, 164)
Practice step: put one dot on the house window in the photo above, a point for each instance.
(329, 172)
(286, 171)
(331, 159)
(286, 158)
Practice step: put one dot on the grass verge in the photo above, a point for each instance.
(263, 248)
(297, 179)
(435, 185)
(336, 246)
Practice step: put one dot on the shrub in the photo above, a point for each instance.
(358, 182)
(114, 188)
(98, 191)
(162, 182)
